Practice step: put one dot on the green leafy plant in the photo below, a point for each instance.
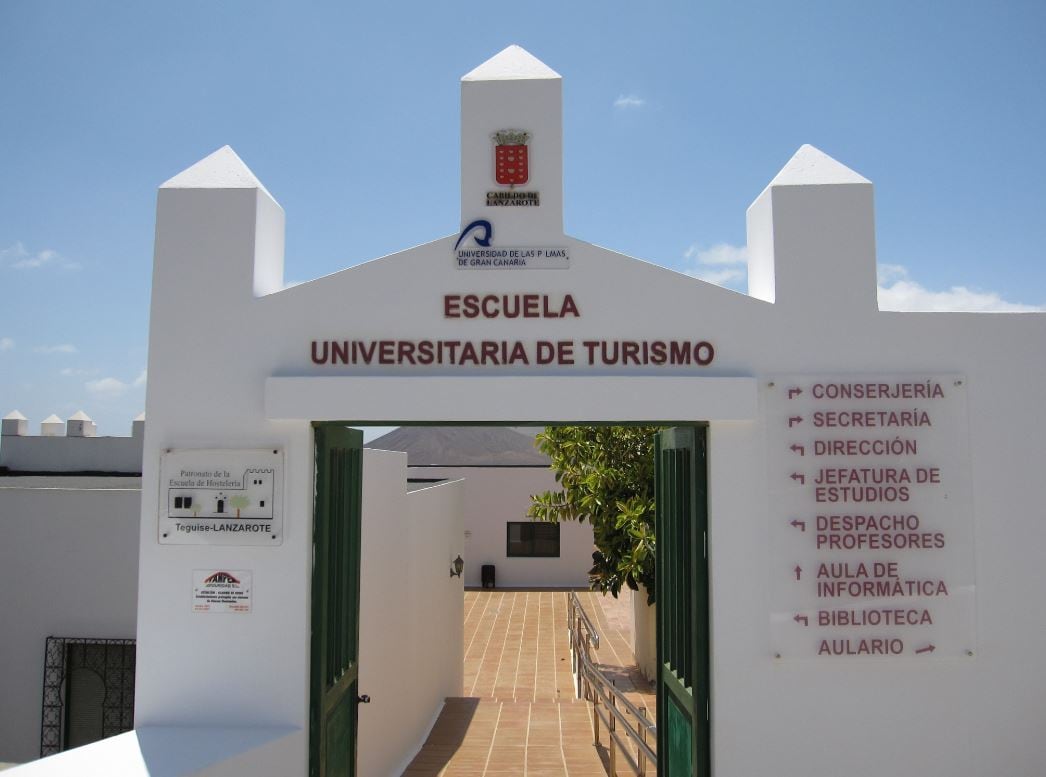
(607, 478)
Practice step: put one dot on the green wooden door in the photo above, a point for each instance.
(683, 699)
(335, 601)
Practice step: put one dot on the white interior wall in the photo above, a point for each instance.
(437, 605)
(68, 568)
(411, 610)
(496, 495)
(644, 633)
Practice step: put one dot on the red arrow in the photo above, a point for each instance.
(796, 419)
(798, 524)
(799, 478)
(797, 448)
(798, 571)
(794, 392)
(928, 649)
(802, 619)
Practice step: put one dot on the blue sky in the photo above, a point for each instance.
(676, 114)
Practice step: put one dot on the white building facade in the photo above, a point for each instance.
(874, 493)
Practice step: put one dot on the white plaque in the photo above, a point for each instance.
(221, 590)
(871, 525)
(221, 497)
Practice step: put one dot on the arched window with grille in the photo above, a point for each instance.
(88, 691)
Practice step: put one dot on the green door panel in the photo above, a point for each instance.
(683, 648)
(680, 741)
(335, 601)
(339, 739)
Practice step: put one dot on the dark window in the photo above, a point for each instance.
(261, 503)
(533, 539)
(187, 502)
(177, 503)
(88, 691)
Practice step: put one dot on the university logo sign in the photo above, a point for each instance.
(484, 255)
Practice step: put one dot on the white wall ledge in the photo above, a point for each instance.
(170, 751)
(510, 398)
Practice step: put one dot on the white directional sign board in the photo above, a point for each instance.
(221, 497)
(871, 525)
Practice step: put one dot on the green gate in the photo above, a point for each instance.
(683, 698)
(335, 601)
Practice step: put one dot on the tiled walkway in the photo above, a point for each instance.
(518, 714)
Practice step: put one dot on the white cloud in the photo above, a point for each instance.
(627, 101)
(18, 257)
(723, 264)
(6, 343)
(728, 277)
(62, 348)
(726, 265)
(899, 293)
(107, 388)
(110, 387)
(720, 253)
(39, 259)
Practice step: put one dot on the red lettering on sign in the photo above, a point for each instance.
(509, 306)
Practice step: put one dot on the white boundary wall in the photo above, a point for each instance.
(71, 454)
(497, 495)
(74, 551)
(68, 568)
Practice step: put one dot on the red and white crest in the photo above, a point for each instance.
(511, 157)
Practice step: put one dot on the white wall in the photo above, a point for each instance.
(74, 550)
(31, 453)
(496, 495)
(644, 634)
(437, 608)
(411, 611)
(68, 568)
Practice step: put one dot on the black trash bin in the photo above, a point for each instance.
(487, 575)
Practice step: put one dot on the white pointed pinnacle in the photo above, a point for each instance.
(221, 170)
(511, 64)
(809, 166)
(14, 415)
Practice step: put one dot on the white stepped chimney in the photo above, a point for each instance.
(15, 425)
(52, 426)
(80, 425)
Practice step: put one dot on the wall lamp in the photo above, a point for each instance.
(458, 567)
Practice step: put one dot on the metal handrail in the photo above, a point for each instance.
(583, 637)
(597, 688)
(576, 608)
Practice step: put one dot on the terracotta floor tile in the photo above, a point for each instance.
(520, 716)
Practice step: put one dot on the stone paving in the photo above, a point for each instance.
(518, 714)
